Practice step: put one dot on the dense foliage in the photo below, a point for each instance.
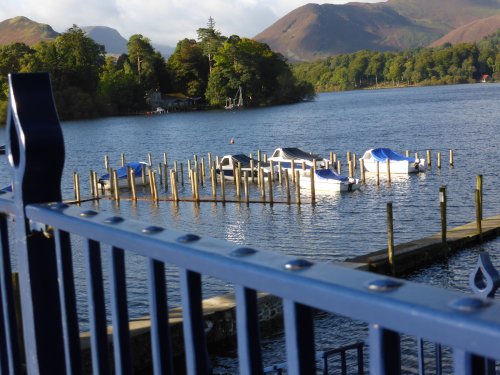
(461, 63)
(86, 83)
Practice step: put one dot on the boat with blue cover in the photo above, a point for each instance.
(398, 163)
(122, 175)
(327, 180)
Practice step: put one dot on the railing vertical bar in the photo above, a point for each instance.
(10, 361)
(68, 302)
(247, 320)
(385, 351)
(299, 337)
(161, 345)
(439, 360)
(421, 356)
(193, 323)
(465, 363)
(121, 334)
(343, 363)
(97, 308)
(361, 361)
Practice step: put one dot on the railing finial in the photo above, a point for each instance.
(35, 140)
(484, 280)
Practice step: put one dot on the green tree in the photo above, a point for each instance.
(210, 41)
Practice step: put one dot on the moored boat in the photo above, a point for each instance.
(301, 159)
(104, 180)
(228, 163)
(328, 181)
(398, 163)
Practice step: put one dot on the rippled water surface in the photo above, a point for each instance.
(463, 118)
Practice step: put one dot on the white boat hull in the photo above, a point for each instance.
(396, 167)
(122, 183)
(330, 186)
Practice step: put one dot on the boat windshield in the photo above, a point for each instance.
(382, 154)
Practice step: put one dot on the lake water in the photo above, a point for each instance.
(465, 118)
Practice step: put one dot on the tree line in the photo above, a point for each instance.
(448, 64)
(88, 83)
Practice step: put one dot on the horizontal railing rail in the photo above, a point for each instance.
(43, 230)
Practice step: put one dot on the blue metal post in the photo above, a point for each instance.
(36, 153)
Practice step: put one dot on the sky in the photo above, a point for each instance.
(162, 21)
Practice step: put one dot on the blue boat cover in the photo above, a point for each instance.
(328, 174)
(382, 154)
(122, 172)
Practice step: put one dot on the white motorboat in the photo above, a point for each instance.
(398, 163)
(327, 181)
(302, 160)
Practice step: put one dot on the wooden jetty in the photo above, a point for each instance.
(414, 254)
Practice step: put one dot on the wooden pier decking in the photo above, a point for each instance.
(417, 253)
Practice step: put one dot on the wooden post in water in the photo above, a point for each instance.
(151, 189)
(354, 163)
(280, 174)
(263, 185)
(213, 181)
(123, 159)
(339, 166)
(334, 159)
(362, 168)
(390, 239)
(182, 173)
(271, 171)
(477, 196)
(150, 160)
(252, 170)
(303, 165)
(143, 174)
(439, 159)
(416, 156)
(287, 185)
(173, 182)
(265, 159)
(76, 179)
(106, 162)
(165, 160)
(92, 190)
(202, 171)
(132, 184)
(442, 205)
(245, 183)
(270, 183)
(292, 163)
(331, 157)
(196, 186)
(189, 170)
(115, 186)
(350, 168)
(407, 153)
(348, 156)
(378, 172)
(388, 163)
(111, 183)
(237, 180)
(297, 187)
(479, 186)
(165, 175)
(96, 184)
(451, 157)
(258, 155)
(313, 187)
(428, 156)
(129, 183)
(160, 173)
(222, 186)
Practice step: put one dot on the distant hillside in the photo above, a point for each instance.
(314, 31)
(472, 32)
(110, 38)
(24, 30)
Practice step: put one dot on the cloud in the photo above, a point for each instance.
(162, 21)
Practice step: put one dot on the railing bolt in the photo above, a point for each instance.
(297, 265)
(152, 229)
(243, 252)
(188, 238)
(384, 285)
(88, 213)
(469, 304)
(114, 220)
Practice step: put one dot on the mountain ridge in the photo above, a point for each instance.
(315, 31)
